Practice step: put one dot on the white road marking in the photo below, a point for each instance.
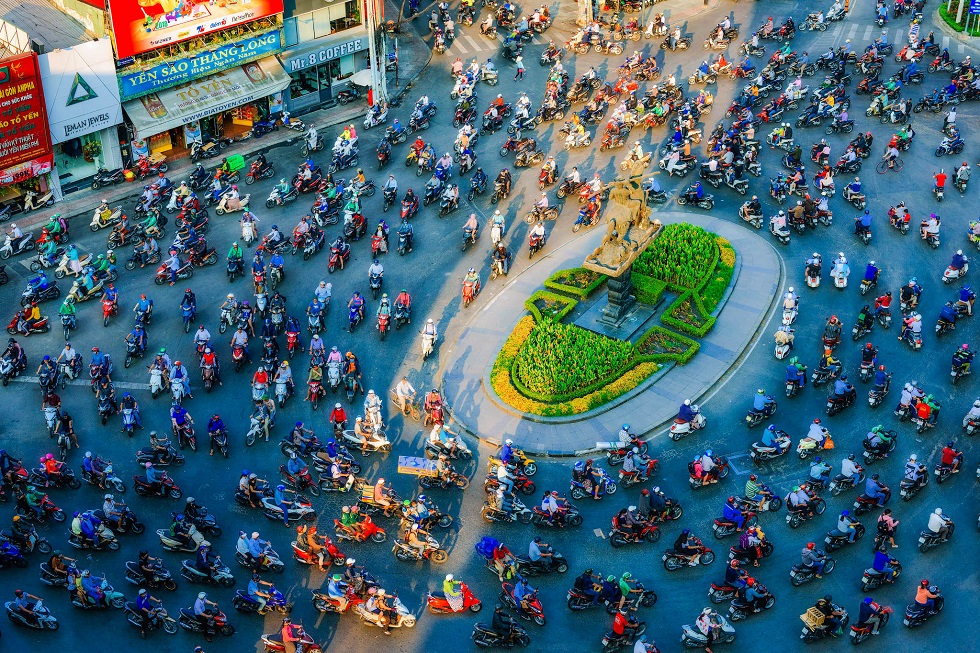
(125, 385)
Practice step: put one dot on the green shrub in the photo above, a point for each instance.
(560, 361)
(950, 19)
(579, 282)
(544, 305)
(664, 346)
(682, 255)
(647, 289)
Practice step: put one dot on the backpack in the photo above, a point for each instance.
(486, 546)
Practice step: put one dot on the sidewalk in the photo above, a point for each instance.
(414, 56)
(650, 407)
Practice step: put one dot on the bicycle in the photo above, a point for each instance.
(883, 166)
(411, 408)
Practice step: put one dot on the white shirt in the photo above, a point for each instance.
(848, 468)
(936, 522)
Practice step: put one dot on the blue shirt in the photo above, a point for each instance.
(143, 602)
(881, 378)
(881, 561)
(144, 304)
(872, 487)
(840, 387)
(280, 496)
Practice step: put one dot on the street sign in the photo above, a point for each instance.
(975, 6)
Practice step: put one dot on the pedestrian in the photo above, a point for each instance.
(520, 68)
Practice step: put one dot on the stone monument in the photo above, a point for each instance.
(629, 230)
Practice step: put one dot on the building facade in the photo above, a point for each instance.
(84, 112)
(324, 48)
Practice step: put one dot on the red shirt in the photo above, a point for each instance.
(948, 455)
(261, 377)
(338, 415)
(941, 179)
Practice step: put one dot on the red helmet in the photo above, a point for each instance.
(869, 346)
(810, 545)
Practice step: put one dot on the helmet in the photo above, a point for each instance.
(923, 583)
(731, 499)
(816, 459)
(148, 465)
(938, 511)
(846, 513)
(449, 576)
(508, 441)
(708, 453)
(202, 595)
(810, 545)
(753, 477)
(874, 476)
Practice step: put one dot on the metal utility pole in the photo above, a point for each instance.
(379, 81)
(585, 15)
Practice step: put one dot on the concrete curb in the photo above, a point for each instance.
(700, 396)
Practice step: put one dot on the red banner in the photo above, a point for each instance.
(23, 119)
(146, 25)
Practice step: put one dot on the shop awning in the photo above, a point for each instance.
(174, 107)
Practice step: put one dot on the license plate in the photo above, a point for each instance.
(665, 557)
(792, 574)
(922, 540)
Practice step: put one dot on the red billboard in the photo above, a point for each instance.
(23, 119)
(144, 25)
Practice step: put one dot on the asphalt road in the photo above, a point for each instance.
(432, 273)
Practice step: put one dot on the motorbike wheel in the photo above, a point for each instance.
(439, 556)
(175, 493)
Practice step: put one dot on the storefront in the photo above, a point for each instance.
(225, 104)
(82, 100)
(319, 70)
(25, 144)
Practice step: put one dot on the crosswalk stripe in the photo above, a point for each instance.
(945, 42)
(477, 45)
(852, 31)
(960, 49)
(867, 32)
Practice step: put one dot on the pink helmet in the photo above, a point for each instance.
(49, 457)
(148, 465)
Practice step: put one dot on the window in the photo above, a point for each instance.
(304, 28)
(303, 83)
(324, 73)
(321, 22)
(289, 32)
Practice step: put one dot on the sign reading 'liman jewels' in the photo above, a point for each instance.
(140, 82)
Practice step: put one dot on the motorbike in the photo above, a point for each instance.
(801, 574)
(168, 487)
(44, 620)
(23, 244)
(916, 615)
(438, 603)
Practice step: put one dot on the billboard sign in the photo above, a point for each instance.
(140, 82)
(23, 119)
(146, 25)
(80, 89)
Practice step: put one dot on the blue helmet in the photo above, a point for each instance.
(846, 513)
(708, 453)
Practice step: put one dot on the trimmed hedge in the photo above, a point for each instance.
(716, 286)
(665, 346)
(570, 281)
(950, 19)
(648, 290)
(567, 304)
(553, 369)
